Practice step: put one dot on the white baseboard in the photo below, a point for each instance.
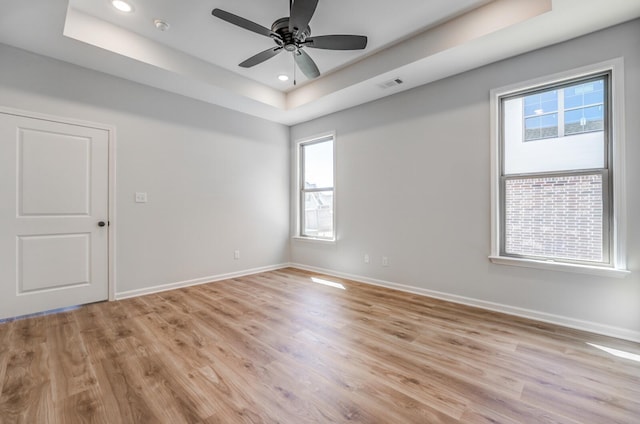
(196, 281)
(593, 327)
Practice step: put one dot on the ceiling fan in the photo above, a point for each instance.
(293, 34)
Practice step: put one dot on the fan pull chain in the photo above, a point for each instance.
(294, 69)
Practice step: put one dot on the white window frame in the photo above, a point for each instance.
(618, 208)
(299, 196)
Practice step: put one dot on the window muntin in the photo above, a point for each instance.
(541, 115)
(584, 107)
(572, 109)
(555, 192)
(316, 158)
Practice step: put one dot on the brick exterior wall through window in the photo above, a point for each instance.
(555, 217)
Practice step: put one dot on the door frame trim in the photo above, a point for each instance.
(111, 178)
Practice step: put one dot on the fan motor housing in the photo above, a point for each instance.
(290, 42)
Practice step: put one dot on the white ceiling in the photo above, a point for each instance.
(195, 31)
(416, 40)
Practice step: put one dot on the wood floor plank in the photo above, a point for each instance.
(235, 398)
(122, 395)
(97, 332)
(370, 359)
(73, 373)
(280, 347)
(26, 395)
(161, 390)
(584, 404)
(6, 337)
(83, 407)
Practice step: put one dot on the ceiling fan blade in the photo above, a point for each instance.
(337, 42)
(301, 13)
(243, 23)
(260, 57)
(306, 64)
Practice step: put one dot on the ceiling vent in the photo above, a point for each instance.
(391, 83)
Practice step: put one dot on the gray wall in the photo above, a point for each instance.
(413, 185)
(217, 180)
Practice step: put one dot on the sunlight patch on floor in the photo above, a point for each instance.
(618, 353)
(327, 283)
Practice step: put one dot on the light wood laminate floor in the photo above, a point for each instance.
(278, 347)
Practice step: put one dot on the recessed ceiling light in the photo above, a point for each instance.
(122, 6)
(283, 77)
(161, 25)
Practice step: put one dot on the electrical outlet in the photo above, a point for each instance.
(366, 258)
(236, 254)
(141, 197)
(385, 261)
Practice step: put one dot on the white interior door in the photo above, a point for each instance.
(53, 198)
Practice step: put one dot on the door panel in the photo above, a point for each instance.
(46, 262)
(53, 192)
(53, 187)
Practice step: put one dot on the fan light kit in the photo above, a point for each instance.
(283, 77)
(293, 34)
(122, 6)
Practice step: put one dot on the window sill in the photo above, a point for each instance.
(314, 240)
(558, 266)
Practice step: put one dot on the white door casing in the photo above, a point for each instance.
(54, 192)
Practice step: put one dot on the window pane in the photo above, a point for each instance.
(543, 126)
(584, 120)
(538, 104)
(593, 98)
(532, 123)
(550, 121)
(595, 118)
(550, 95)
(584, 94)
(318, 214)
(533, 134)
(536, 139)
(318, 165)
(530, 109)
(555, 217)
(533, 99)
(572, 116)
(593, 113)
(550, 106)
(571, 102)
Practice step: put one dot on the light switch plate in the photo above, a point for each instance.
(141, 197)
